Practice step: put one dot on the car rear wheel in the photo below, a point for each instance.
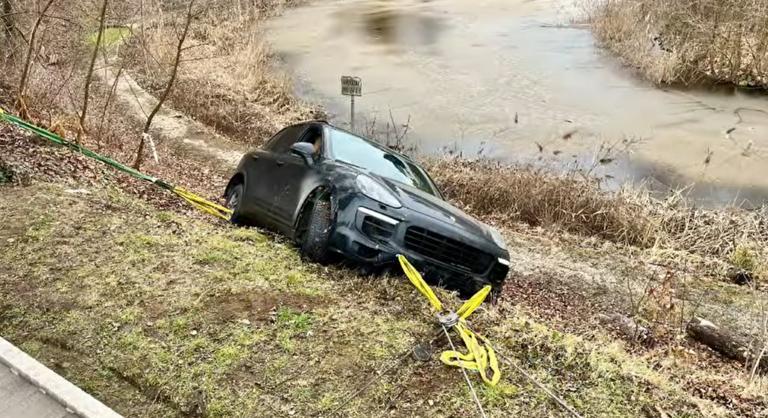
(314, 244)
(234, 198)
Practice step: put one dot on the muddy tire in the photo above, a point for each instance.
(314, 245)
(234, 199)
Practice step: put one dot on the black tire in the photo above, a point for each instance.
(234, 199)
(472, 286)
(314, 245)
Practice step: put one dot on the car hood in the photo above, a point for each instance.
(436, 208)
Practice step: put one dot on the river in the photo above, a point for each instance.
(516, 81)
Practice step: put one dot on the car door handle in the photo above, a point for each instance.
(280, 163)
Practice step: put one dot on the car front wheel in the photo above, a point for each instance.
(314, 245)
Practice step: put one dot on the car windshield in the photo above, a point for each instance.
(359, 152)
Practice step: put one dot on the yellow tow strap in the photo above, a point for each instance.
(480, 356)
(203, 204)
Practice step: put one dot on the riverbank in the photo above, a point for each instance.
(228, 79)
(677, 42)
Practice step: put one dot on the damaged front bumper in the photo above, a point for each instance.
(369, 232)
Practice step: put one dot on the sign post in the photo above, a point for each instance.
(351, 86)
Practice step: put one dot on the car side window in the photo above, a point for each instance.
(314, 135)
(281, 143)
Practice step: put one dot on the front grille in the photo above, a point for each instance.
(446, 250)
(377, 229)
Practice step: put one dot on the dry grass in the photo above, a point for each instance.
(227, 79)
(688, 41)
(720, 233)
(538, 198)
(569, 202)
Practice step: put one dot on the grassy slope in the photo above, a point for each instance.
(162, 315)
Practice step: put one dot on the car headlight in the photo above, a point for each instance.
(376, 191)
(497, 238)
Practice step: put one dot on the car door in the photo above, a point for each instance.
(264, 173)
(294, 177)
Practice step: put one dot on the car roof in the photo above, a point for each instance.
(368, 140)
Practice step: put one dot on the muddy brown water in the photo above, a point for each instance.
(513, 80)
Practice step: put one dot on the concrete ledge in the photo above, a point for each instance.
(54, 386)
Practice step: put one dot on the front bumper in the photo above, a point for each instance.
(368, 232)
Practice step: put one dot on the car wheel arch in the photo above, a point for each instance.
(238, 178)
(318, 192)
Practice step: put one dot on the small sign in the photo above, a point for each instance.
(351, 86)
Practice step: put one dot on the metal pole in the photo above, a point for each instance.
(352, 112)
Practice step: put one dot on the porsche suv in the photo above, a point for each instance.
(334, 192)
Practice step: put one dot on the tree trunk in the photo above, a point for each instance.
(726, 343)
(28, 61)
(7, 20)
(89, 75)
(176, 62)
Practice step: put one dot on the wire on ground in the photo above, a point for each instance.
(480, 356)
(560, 401)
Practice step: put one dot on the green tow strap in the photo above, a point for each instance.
(75, 147)
(195, 200)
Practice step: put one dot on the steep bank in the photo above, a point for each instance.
(159, 314)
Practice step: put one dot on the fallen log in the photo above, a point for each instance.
(626, 326)
(729, 344)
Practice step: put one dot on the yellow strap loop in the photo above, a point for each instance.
(480, 356)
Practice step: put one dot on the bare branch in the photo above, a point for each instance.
(28, 61)
(89, 75)
(176, 62)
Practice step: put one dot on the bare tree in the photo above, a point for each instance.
(176, 62)
(20, 103)
(89, 76)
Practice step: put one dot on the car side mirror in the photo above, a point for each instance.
(304, 150)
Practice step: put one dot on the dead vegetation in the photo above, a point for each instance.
(509, 195)
(576, 204)
(227, 78)
(688, 41)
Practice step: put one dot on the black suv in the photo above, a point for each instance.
(335, 192)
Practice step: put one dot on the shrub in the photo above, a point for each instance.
(523, 194)
(688, 41)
